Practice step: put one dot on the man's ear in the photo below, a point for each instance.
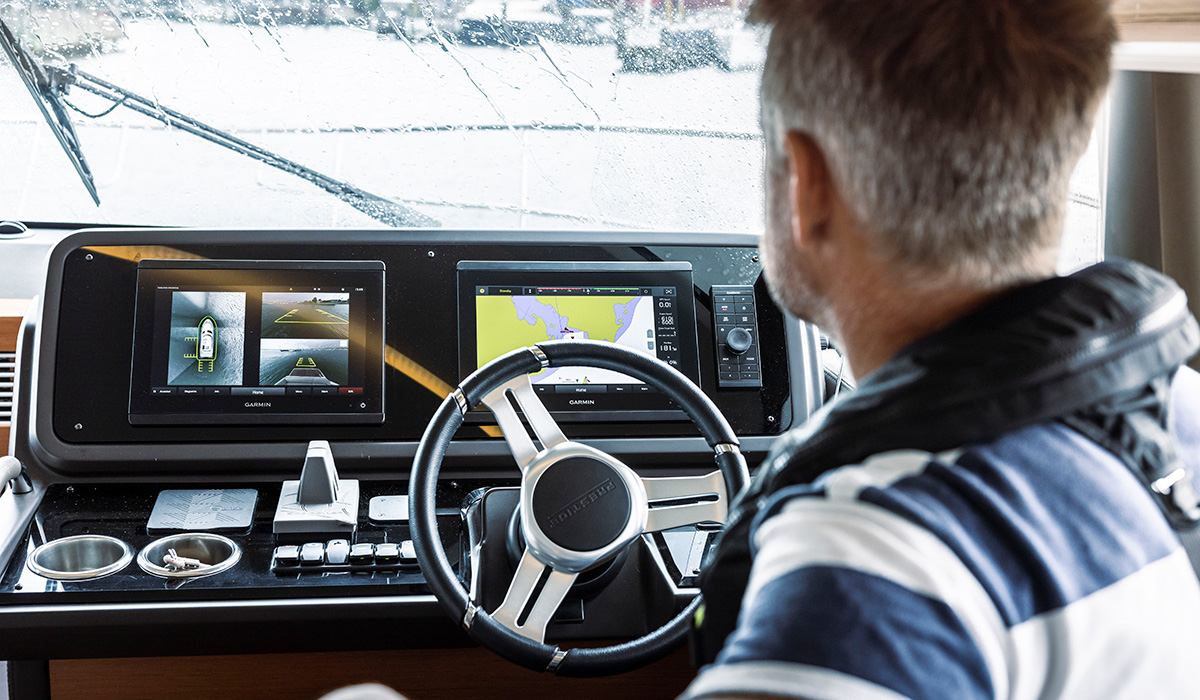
(811, 190)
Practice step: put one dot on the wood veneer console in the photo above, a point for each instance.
(11, 313)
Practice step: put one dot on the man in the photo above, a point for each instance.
(990, 514)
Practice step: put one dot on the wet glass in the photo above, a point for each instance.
(559, 114)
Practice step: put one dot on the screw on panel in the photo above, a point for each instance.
(79, 426)
(88, 256)
(770, 419)
(430, 253)
(754, 259)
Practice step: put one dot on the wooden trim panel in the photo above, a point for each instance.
(11, 313)
(420, 674)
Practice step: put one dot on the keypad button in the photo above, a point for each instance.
(287, 555)
(312, 554)
(337, 552)
(387, 553)
(362, 553)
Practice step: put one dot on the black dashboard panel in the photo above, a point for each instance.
(95, 471)
(93, 321)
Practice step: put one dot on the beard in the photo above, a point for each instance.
(788, 279)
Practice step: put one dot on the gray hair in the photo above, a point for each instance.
(950, 127)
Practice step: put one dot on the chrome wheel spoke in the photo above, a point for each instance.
(504, 401)
(685, 500)
(533, 597)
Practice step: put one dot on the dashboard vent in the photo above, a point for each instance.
(8, 377)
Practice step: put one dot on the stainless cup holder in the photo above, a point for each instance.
(189, 555)
(79, 557)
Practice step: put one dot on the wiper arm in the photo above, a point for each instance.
(382, 209)
(44, 87)
(57, 81)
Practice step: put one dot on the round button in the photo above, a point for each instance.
(739, 340)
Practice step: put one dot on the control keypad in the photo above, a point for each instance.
(736, 324)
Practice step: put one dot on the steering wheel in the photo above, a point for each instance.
(579, 506)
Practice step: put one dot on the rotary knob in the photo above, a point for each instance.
(739, 340)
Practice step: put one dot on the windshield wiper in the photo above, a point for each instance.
(42, 85)
(48, 84)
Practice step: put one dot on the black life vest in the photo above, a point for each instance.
(1095, 350)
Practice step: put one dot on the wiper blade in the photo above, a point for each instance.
(379, 208)
(49, 83)
(44, 87)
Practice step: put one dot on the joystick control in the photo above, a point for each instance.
(319, 503)
(739, 341)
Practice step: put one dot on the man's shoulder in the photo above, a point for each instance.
(1025, 514)
(948, 575)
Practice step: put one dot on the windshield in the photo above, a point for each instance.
(513, 114)
(559, 114)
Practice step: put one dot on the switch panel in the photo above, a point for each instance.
(736, 330)
(337, 556)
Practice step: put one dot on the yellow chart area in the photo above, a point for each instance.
(500, 327)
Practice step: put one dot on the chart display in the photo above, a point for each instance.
(646, 307)
(625, 316)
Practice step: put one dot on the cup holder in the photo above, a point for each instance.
(189, 555)
(80, 557)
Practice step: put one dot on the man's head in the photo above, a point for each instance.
(943, 132)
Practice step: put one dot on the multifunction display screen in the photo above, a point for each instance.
(647, 307)
(258, 342)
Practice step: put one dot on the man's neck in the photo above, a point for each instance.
(879, 316)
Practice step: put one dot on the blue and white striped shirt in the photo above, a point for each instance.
(1034, 567)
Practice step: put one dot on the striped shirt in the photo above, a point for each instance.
(1036, 566)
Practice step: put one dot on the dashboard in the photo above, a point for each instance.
(168, 362)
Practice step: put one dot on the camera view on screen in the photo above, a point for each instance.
(303, 362)
(305, 315)
(250, 342)
(207, 336)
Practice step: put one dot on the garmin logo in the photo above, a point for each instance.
(580, 503)
(582, 402)
(258, 404)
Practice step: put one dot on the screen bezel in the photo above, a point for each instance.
(367, 321)
(650, 405)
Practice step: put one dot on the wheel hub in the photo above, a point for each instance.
(581, 503)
